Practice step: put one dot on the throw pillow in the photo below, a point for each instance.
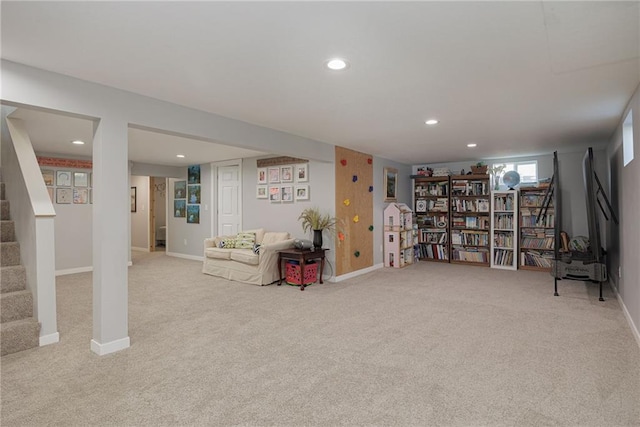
(256, 249)
(229, 243)
(245, 240)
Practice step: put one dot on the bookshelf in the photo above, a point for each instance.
(536, 234)
(398, 235)
(504, 229)
(470, 219)
(431, 213)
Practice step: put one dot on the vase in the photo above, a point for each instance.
(317, 239)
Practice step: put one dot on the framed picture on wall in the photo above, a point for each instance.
(193, 214)
(180, 190)
(286, 193)
(80, 179)
(47, 175)
(274, 194)
(286, 174)
(302, 192)
(194, 194)
(262, 192)
(80, 196)
(390, 185)
(262, 175)
(302, 173)
(63, 178)
(274, 175)
(179, 208)
(133, 199)
(64, 196)
(193, 174)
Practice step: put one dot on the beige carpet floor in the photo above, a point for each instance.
(429, 345)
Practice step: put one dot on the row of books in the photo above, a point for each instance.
(536, 259)
(432, 189)
(503, 203)
(531, 200)
(469, 238)
(432, 251)
(432, 221)
(435, 205)
(433, 235)
(467, 254)
(469, 188)
(466, 205)
(502, 257)
(539, 233)
(503, 221)
(534, 243)
(474, 222)
(503, 240)
(531, 220)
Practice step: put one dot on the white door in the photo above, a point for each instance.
(229, 213)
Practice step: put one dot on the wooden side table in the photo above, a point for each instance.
(302, 256)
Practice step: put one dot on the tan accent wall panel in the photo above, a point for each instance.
(358, 237)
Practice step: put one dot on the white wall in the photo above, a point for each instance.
(624, 239)
(140, 218)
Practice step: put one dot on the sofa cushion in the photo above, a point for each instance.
(256, 248)
(259, 232)
(217, 253)
(245, 256)
(274, 237)
(228, 243)
(245, 240)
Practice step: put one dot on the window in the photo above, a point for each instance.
(627, 139)
(528, 170)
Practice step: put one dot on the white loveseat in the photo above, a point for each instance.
(244, 265)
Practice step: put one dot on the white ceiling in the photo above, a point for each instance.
(516, 78)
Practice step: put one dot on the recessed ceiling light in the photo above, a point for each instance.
(472, 145)
(77, 142)
(180, 156)
(337, 64)
(431, 122)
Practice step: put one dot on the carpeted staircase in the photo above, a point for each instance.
(19, 329)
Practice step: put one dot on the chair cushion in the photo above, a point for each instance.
(245, 256)
(274, 237)
(245, 240)
(217, 253)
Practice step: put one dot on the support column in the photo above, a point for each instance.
(110, 236)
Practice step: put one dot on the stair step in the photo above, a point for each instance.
(13, 278)
(9, 253)
(16, 305)
(5, 214)
(19, 335)
(7, 231)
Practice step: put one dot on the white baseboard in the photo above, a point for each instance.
(356, 273)
(73, 270)
(110, 347)
(134, 248)
(634, 328)
(49, 339)
(185, 256)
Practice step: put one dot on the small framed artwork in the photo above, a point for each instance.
(286, 193)
(179, 208)
(390, 185)
(302, 173)
(194, 194)
(80, 179)
(180, 190)
(302, 192)
(261, 192)
(193, 175)
(80, 196)
(63, 179)
(421, 205)
(193, 214)
(274, 175)
(286, 174)
(274, 194)
(133, 199)
(64, 196)
(262, 175)
(47, 175)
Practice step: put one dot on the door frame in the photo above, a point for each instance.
(214, 191)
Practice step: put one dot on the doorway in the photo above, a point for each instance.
(229, 200)
(157, 214)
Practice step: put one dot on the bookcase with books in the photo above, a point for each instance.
(431, 213)
(398, 235)
(504, 229)
(470, 206)
(536, 232)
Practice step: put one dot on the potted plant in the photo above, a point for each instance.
(316, 221)
(480, 168)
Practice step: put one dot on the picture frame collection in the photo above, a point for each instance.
(187, 196)
(68, 187)
(283, 184)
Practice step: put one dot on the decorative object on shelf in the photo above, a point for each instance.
(479, 168)
(511, 179)
(313, 220)
(495, 172)
(390, 184)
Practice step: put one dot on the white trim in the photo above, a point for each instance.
(134, 248)
(634, 329)
(185, 256)
(356, 273)
(110, 347)
(49, 339)
(74, 270)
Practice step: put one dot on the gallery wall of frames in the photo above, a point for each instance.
(187, 196)
(284, 183)
(68, 181)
